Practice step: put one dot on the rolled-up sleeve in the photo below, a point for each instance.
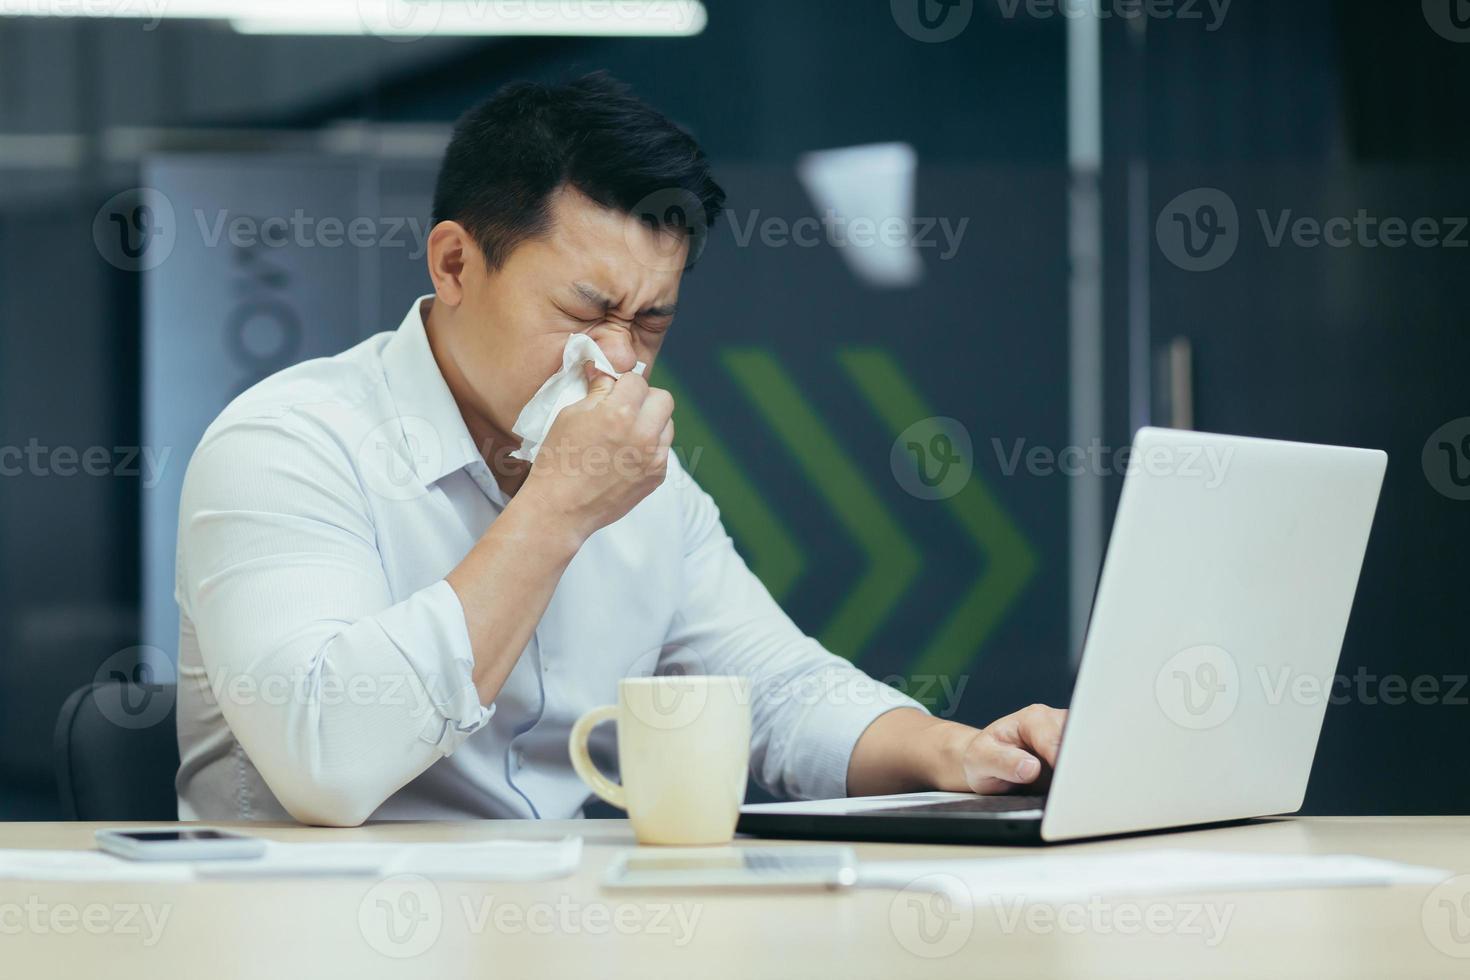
(338, 693)
(809, 706)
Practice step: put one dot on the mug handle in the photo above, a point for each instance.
(582, 761)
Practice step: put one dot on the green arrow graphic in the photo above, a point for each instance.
(774, 557)
(893, 562)
(1011, 562)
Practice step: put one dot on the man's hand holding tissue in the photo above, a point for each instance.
(603, 454)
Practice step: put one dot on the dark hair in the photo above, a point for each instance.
(509, 153)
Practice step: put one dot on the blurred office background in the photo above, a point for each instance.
(1051, 165)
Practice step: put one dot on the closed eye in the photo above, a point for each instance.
(588, 318)
(655, 324)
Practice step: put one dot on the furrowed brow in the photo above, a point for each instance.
(591, 295)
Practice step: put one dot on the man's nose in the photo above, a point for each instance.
(616, 343)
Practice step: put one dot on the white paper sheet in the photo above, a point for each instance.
(25, 865)
(1060, 876)
(852, 804)
(497, 860)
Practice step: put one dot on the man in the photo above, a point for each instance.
(386, 615)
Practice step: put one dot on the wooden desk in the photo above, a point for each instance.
(572, 928)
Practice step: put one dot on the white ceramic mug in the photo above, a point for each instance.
(683, 751)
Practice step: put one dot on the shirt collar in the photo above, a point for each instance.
(425, 405)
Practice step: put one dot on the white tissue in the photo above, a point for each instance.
(563, 388)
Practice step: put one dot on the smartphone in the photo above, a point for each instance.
(179, 844)
(733, 867)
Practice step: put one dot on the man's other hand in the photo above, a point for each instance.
(905, 751)
(1018, 750)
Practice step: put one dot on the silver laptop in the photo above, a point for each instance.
(1214, 638)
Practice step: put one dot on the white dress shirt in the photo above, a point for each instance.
(324, 661)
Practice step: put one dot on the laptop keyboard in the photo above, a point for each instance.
(972, 805)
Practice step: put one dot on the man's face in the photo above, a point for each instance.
(596, 271)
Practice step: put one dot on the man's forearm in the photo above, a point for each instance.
(505, 584)
(905, 750)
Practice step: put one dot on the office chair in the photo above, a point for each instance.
(116, 752)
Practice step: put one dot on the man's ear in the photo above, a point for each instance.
(451, 250)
